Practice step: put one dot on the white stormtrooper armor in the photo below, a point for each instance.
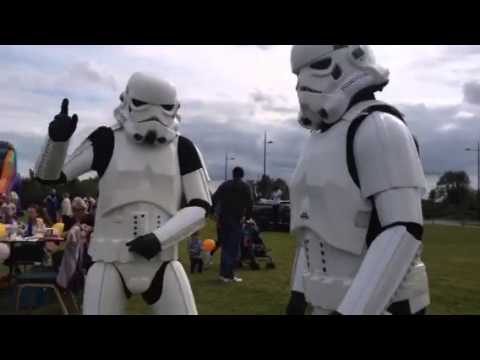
(145, 169)
(356, 192)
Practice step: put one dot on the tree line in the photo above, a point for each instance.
(32, 192)
(453, 198)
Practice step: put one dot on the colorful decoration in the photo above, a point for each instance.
(8, 167)
(3, 232)
(58, 229)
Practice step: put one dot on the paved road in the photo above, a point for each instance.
(452, 223)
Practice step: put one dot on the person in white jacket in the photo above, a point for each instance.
(75, 245)
(66, 207)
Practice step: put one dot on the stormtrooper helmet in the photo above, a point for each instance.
(149, 110)
(329, 77)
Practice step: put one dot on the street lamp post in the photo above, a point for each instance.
(265, 142)
(477, 150)
(226, 164)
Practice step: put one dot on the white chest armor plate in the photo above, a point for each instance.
(140, 191)
(324, 199)
(330, 219)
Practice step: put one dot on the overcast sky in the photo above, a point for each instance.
(231, 94)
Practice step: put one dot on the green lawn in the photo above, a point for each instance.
(452, 255)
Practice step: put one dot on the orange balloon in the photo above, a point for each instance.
(208, 245)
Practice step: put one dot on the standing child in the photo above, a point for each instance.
(195, 251)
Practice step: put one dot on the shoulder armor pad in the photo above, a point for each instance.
(386, 155)
(363, 108)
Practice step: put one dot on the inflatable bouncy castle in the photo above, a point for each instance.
(8, 167)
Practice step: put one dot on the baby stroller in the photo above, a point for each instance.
(253, 248)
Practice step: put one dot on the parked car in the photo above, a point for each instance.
(263, 216)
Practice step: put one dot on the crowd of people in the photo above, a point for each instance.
(8, 207)
(233, 206)
(233, 203)
(35, 218)
(69, 220)
(233, 210)
(58, 209)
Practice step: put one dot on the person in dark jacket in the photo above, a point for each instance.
(234, 200)
(218, 243)
(53, 205)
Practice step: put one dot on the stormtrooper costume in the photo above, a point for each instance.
(356, 192)
(146, 170)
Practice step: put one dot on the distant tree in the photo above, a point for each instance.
(456, 185)
(282, 184)
(33, 192)
(264, 187)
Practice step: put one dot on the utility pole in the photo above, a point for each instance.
(265, 143)
(477, 150)
(226, 164)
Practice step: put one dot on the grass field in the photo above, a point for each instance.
(452, 255)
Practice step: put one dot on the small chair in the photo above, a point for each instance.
(44, 279)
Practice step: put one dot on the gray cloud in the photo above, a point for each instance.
(281, 109)
(258, 97)
(246, 145)
(264, 47)
(266, 101)
(220, 127)
(471, 92)
(85, 72)
(460, 50)
(433, 62)
(32, 92)
(242, 137)
(443, 136)
(271, 103)
(261, 47)
(216, 127)
(453, 65)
